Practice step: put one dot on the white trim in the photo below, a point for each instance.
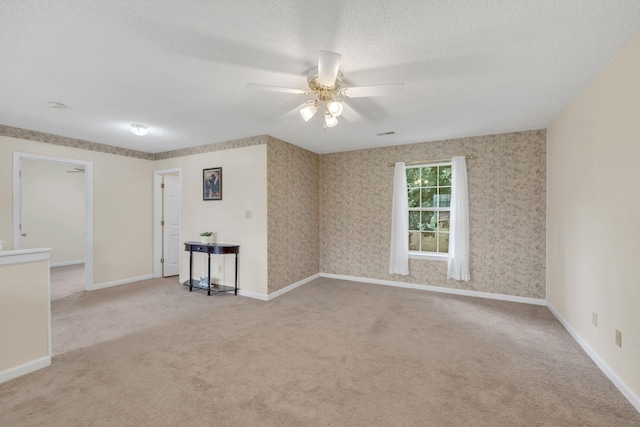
(120, 282)
(17, 202)
(25, 368)
(261, 297)
(291, 287)
(464, 292)
(49, 342)
(65, 263)
(279, 292)
(613, 377)
(88, 210)
(429, 256)
(21, 256)
(157, 217)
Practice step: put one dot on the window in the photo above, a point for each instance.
(429, 194)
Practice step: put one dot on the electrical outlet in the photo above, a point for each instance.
(618, 338)
(594, 319)
(219, 268)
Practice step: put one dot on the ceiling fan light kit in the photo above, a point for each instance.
(335, 108)
(330, 120)
(325, 85)
(308, 112)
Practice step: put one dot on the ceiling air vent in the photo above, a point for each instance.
(385, 133)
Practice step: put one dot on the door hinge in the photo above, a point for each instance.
(161, 260)
(162, 185)
(162, 223)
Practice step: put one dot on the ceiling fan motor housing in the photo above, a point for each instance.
(324, 93)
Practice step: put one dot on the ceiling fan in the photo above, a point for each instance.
(325, 86)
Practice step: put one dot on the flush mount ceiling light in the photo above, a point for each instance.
(325, 83)
(140, 130)
(58, 105)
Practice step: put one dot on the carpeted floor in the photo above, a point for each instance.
(330, 353)
(66, 280)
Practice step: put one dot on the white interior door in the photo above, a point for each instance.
(171, 228)
(53, 209)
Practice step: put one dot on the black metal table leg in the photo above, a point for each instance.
(235, 291)
(209, 273)
(190, 271)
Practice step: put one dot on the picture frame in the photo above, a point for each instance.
(212, 184)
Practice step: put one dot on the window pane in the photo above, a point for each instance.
(429, 220)
(443, 221)
(428, 197)
(414, 220)
(444, 176)
(428, 242)
(444, 197)
(413, 177)
(414, 241)
(430, 176)
(414, 198)
(443, 240)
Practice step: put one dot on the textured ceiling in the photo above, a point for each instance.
(180, 67)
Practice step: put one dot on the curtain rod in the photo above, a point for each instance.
(422, 162)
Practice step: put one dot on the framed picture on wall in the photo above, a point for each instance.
(212, 184)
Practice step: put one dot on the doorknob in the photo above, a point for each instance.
(24, 234)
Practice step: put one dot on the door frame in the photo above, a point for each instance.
(157, 217)
(88, 206)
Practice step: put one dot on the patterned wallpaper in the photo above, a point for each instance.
(292, 212)
(48, 138)
(506, 203)
(32, 135)
(226, 145)
(338, 221)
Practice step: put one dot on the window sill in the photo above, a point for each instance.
(432, 257)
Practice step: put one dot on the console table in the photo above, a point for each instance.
(213, 248)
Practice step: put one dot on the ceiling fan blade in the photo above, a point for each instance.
(328, 64)
(349, 113)
(275, 88)
(296, 111)
(376, 90)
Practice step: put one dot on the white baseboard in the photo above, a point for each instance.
(64, 263)
(279, 292)
(261, 297)
(26, 368)
(476, 294)
(613, 377)
(289, 288)
(119, 282)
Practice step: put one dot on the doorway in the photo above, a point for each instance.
(167, 200)
(51, 195)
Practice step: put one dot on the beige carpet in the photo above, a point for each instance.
(330, 353)
(66, 280)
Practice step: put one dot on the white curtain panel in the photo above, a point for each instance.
(458, 262)
(399, 259)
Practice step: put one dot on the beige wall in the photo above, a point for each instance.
(24, 313)
(506, 204)
(244, 181)
(593, 231)
(293, 206)
(53, 209)
(122, 193)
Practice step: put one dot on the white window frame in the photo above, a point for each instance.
(435, 256)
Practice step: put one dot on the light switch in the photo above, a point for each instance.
(248, 214)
